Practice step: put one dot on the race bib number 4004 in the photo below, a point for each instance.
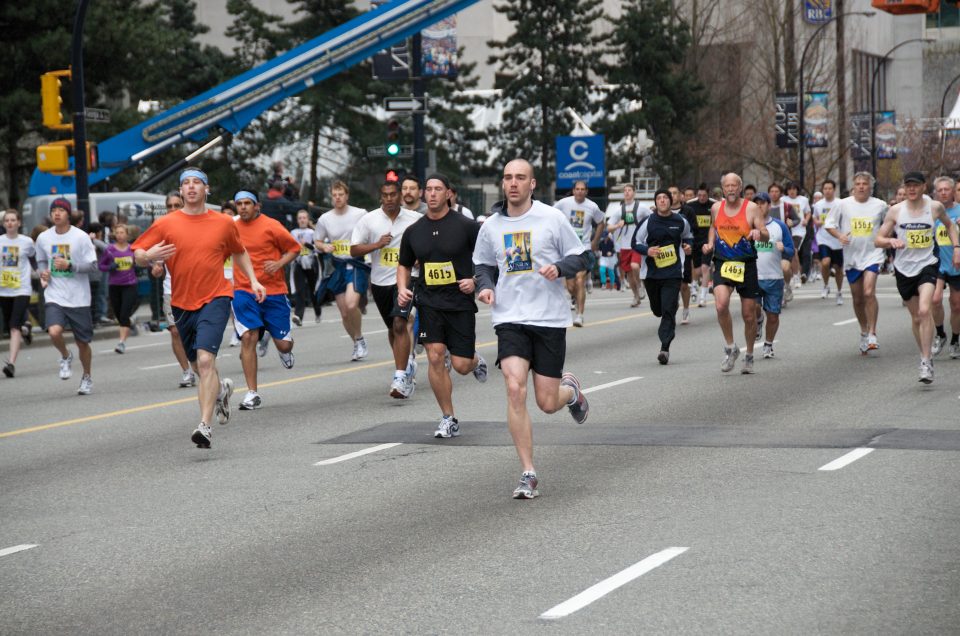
(439, 273)
(733, 270)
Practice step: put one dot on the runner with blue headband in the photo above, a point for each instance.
(193, 244)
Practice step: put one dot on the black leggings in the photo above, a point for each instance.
(664, 295)
(124, 300)
(306, 282)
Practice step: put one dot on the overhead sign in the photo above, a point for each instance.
(405, 104)
(818, 11)
(98, 115)
(860, 136)
(787, 122)
(581, 159)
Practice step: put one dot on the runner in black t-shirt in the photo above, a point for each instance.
(700, 221)
(442, 243)
(677, 207)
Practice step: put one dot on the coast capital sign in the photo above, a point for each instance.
(581, 159)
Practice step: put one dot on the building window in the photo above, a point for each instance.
(947, 16)
(864, 65)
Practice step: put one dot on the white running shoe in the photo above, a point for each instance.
(398, 387)
(448, 427)
(825, 292)
(768, 351)
(121, 347)
(222, 409)
(788, 294)
(234, 340)
(188, 378)
(730, 357)
(578, 321)
(86, 385)
(202, 436)
(480, 372)
(685, 316)
(872, 343)
(361, 348)
(286, 359)
(955, 350)
(926, 371)
(263, 344)
(839, 297)
(864, 344)
(66, 367)
(938, 342)
(250, 401)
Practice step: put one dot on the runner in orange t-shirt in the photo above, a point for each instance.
(193, 243)
(270, 247)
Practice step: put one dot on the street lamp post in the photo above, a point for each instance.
(943, 123)
(79, 114)
(873, 107)
(803, 63)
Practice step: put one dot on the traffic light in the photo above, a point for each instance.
(54, 158)
(51, 102)
(392, 175)
(393, 137)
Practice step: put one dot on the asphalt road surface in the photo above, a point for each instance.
(690, 502)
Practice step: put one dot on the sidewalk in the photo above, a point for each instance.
(106, 332)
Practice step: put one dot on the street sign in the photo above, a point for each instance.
(581, 159)
(381, 151)
(98, 115)
(405, 104)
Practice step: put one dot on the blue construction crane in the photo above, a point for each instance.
(231, 106)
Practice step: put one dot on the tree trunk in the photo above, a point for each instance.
(314, 155)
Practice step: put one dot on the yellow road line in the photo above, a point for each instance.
(304, 378)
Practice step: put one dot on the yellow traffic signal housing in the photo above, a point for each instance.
(53, 158)
(51, 101)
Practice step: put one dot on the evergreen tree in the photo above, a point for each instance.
(649, 45)
(545, 67)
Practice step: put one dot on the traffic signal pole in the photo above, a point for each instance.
(79, 114)
(419, 138)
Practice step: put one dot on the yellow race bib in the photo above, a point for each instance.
(439, 273)
(861, 226)
(943, 237)
(733, 270)
(919, 239)
(124, 263)
(703, 220)
(389, 256)
(341, 248)
(10, 278)
(304, 251)
(666, 256)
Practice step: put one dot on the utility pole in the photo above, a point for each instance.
(79, 114)
(419, 138)
(843, 127)
(790, 73)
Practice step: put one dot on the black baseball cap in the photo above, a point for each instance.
(914, 177)
(761, 196)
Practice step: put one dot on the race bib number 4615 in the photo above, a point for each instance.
(439, 273)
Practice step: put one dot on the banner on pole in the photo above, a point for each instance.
(815, 119)
(886, 134)
(860, 136)
(439, 49)
(817, 11)
(787, 120)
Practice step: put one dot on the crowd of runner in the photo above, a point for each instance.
(426, 261)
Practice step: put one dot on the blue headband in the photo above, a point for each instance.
(193, 173)
(246, 194)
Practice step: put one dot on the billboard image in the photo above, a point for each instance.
(815, 119)
(439, 49)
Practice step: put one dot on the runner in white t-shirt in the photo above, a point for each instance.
(587, 221)
(527, 249)
(855, 222)
(378, 234)
(66, 258)
(798, 230)
(831, 251)
(350, 277)
(622, 223)
(17, 259)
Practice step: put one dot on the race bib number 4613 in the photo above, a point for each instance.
(439, 273)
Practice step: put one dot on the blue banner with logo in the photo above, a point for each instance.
(581, 159)
(817, 11)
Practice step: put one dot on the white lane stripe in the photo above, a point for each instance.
(360, 453)
(17, 548)
(600, 387)
(845, 322)
(606, 586)
(177, 364)
(849, 458)
(367, 333)
(143, 346)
